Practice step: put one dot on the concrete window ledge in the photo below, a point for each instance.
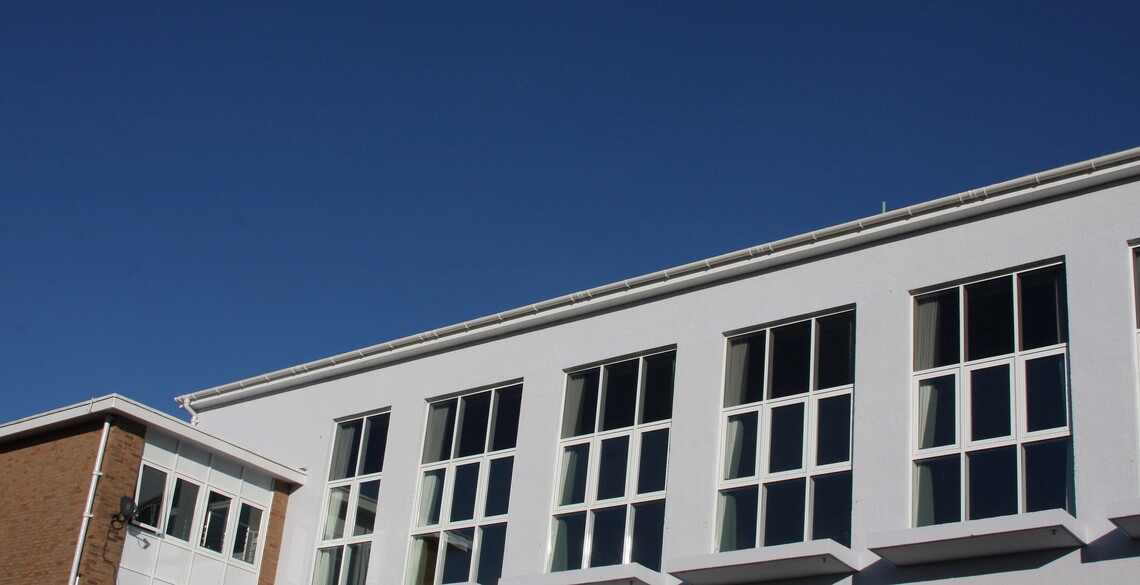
(631, 574)
(1126, 516)
(1049, 529)
(787, 561)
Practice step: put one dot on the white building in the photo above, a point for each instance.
(954, 381)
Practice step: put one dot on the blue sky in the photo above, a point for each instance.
(195, 193)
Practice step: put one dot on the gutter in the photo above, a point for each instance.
(1026, 189)
(96, 473)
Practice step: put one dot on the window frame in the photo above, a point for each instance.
(1020, 437)
(735, 405)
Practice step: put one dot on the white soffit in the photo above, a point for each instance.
(1049, 529)
(1126, 516)
(628, 574)
(756, 565)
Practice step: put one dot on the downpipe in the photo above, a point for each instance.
(95, 475)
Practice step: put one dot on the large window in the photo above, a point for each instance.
(465, 488)
(350, 501)
(991, 398)
(786, 470)
(610, 508)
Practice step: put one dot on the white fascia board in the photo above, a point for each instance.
(1035, 531)
(628, 574)
(114, 404)
(771, 563)
(1126, 516)
(1023, 191)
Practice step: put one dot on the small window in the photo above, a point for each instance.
(248, 534)
(214, 524)
(152, 489)
(181, 517)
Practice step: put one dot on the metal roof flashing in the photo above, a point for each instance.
(1060, 181)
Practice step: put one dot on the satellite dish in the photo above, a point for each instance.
(127, 507)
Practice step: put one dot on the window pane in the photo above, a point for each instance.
(657, 399)
(1048, 475)
(993, 482)
(787, 451)
(831, 512)
(740, 446)
(431, 497)
(835, 357)
(424, 552)
(366, 508)
(214, 524)
(1136, 282)
(491, 545)
(248, 533)
(791, 359)
(612, 468)
(938, 491)
(620, 398)
(569, 538)
(152, 486)
(648, 527)
(989, 403)
(473, 424)
(834, 429)
(346, 448)
(937, 408)
(440, 428)
(738, 514)
(375, 441)
(581, 404)
(356, 567)
(989, 318)
(1043, 319)
(327, 571)
(653, 462)
(463, 492)
(499, 486)
(575, 462)
(936, 330)
(457, 556)
(336, 513)
(745, 382)
(182, 505)
(1045, 393)
(507, 419)
(608, 541)
(784, 512)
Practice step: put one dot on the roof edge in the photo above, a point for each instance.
(1074, 176)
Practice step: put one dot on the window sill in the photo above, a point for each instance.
(1126, 516)
(787, 561)
(1049, 529)
(630, 574)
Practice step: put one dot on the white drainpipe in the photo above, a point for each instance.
(95, 474)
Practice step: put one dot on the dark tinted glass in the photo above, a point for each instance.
(346, 450)
(787, 451)
(365, 508)
(993, 482)
(214, 525)
(473, 426)
(937, 406)
(738, 524)
(507, 418)
(831, 516)
(620, 399)
(613, 465)
(581, 403)
(791, 359)
(463, 492)
(1048, 475)
(834, 444)
(784, 512)
(152, 486)
(835, 358)
(989, 318)
(657, 400)
(569, 538)
(375, 442)
(609, 537)
(1045, 393)
(440, 430)
(457, 556)
(499, 486)
(356, 566)
(653, 461)
(491, 554)
(648, 527)
(989, 398)
(575, 462)
(1043, 314)
(181, 516)
(745, 383)
(939, 491)
(740, 450)
(936, 330)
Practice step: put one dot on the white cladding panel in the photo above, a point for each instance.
(1090, 232)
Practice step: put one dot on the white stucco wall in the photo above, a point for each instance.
(1090, 232)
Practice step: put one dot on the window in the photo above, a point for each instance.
(786, 467)
(350, 502)
(990, 398)
(465, 488)
(181, 514)
(610, 508)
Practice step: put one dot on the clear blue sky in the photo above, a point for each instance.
(193, 193)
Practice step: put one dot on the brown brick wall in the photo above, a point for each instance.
(43, 487)
(273, 532)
